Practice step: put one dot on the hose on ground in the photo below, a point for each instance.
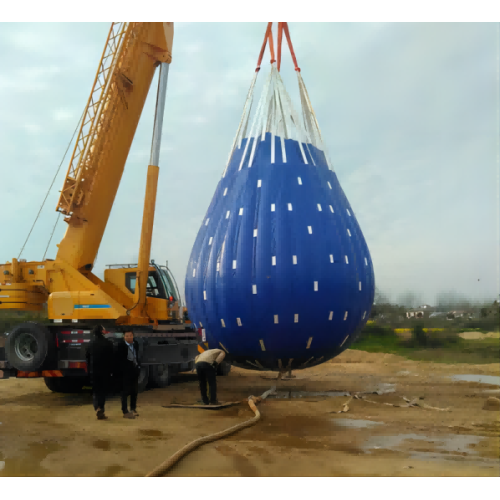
(163, 468)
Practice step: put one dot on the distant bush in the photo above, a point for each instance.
(377, 330)
(377, 338)
(430, 338)
(480, 330)
(483, 324)
(419, 336)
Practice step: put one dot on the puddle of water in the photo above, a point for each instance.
(492, 391)
(446, 447)
(150, 432)
(382, 389)
(483, 379)
(307, 394)
(447, 442)
(379, 389)
(355, 423)
(101, 444)
(111, 471)
(30, 463)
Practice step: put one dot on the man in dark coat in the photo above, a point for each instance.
(128, 363)
(99, 357)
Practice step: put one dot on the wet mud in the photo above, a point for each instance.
(300, 432)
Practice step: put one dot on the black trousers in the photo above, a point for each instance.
(100, 387)
(130, 388)
(207, 375)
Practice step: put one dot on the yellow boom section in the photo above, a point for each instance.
(124, 76)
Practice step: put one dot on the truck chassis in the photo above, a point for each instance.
(164, 351)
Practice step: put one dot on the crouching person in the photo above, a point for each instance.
(128, 363)
(206, 367)
(99, 358)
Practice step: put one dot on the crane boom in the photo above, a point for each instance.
(83, 159)
(121, 85)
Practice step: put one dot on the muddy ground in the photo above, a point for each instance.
(299, 434)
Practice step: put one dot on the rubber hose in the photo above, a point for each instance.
(168, 464)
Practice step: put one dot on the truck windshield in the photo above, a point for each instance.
(153, 289)
(168, 284)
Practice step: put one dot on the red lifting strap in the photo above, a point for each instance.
(271, 45)
(280, 37)
(269, 35)
(281, 27)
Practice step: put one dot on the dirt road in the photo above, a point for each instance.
(46, 434)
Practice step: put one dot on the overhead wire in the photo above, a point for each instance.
(50, 239)
(48, 192)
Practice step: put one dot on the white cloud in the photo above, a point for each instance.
(197, 119)
(188, 50)
(32, 128)
(63, 115)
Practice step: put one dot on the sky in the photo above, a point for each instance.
(409, 113)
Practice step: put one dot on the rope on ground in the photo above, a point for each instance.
(163, 468)
(345, 407)
(410, 403)
(413, 403)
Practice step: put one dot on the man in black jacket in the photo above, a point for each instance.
(99, 357)
(128, 362)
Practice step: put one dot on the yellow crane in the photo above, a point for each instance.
(144, 295)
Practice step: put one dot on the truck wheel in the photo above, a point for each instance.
(29, 346)
(64, 384)
(223, 369)
(143, 378)
(160, 375)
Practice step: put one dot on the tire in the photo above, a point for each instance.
(30, 347)
(143, 378)
(64, 384)
(223, 369)
(160, 375)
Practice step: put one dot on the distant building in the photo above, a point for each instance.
(422, 311)
(437, 314)
(459, 314)
(415, 314)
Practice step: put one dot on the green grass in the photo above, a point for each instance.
(438, 347)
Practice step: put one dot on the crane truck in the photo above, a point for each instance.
(142, 297)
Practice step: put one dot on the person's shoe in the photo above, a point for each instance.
(135, 413)
(100, 415)
(214, 403)
(129, 415)
(200, 402)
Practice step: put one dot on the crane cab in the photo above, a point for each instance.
(162, 294)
